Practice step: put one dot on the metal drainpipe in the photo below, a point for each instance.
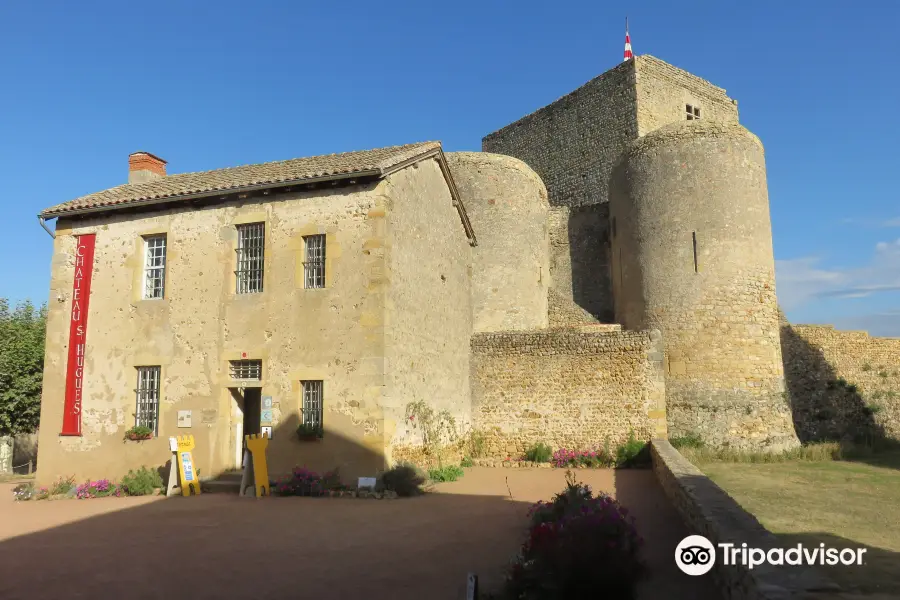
(44, 225)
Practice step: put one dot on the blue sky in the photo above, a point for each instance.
(208, 85)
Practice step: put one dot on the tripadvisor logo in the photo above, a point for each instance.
(696, 555)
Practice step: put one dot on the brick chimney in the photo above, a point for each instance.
(144, 167)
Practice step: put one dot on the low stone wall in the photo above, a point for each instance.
(708, 511)
(569, 388)
(841, 383)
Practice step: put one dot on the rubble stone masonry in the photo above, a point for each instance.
(567, 388)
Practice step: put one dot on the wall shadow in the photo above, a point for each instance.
(825, 407)
(25, 450)
(588, 231)
(641, 493)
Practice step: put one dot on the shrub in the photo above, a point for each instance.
(309, 432)
(632, 453)
(138, 432)
(466, 462)
(578, 544)
(474, 444)
(23, 491)
(303, 482)
(97, 489)
(540, 452)
(873, 409)
(690, 440)
(404, 478)
(62, 486)
(582, 458)
(883, 374)
(445, 473)
(142, 482)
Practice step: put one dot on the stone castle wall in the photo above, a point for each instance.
(566, 388)
(842, 384)
(693, 257)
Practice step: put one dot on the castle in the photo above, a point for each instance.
(603, 267)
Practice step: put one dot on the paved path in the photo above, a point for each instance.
(220, 546)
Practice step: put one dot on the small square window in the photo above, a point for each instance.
(147, 414)
(250, 257)
(154, 267)
(314, 263)
(692, 112)
(246, 370)
(312, 403)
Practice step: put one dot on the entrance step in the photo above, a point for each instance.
(228, 482)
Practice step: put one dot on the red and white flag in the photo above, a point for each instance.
(628, 54)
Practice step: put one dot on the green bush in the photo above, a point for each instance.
(142, 482)
(540, 452)
(445, 473)
(404, 478)
(632, 453)
(691, 440)
(466, 462)
(63, 485)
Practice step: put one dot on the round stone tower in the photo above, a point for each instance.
(507, 204)
(691, 254)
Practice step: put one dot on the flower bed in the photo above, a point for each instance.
(144, 482)
(578, 543)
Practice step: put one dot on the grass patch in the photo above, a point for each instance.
(445, 473)
(835, 502)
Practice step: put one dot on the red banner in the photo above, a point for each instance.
(81, 295)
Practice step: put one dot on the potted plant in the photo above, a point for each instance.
(309, 433)
(139, 432)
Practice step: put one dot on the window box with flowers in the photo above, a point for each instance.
(309, 433)
(138, 433)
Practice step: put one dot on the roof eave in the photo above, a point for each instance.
(211, 193)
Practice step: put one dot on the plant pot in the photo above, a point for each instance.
(138, 438)
(308, 438)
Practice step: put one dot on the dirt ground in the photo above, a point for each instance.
(221, 546)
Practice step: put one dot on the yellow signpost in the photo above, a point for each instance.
(190, 485)
(257, 445)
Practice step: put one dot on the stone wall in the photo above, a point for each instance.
(693, 257)
(664, 91)
(507, 205)
(566, 388)
(708, 511)
(842, 384)
(428, 310)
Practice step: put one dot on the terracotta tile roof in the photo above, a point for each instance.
(378, 162)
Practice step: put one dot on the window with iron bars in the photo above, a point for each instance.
(147, 414)
(314, 266)
(312, 403)
(251, 244)
(693, 112)
(246, 369)
(154, 267)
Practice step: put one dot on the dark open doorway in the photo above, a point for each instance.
(252, 410)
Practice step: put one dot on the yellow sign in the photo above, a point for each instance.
(257, 445)
(190, 485)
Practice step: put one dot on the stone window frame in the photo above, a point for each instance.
(312, 403)
(314, 261)
(147, 397)
(155, 250)
(692, 112)
(245, 369)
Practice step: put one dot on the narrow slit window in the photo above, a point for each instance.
(312, 403)
(694, 241)
(154, 267)
(314, 263)
(147, 413)
(250, 257)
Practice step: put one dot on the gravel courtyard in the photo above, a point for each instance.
(221, 546)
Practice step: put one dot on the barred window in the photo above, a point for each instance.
(692, 112)
(314, 266)
(246, 369)
(154, 266)
(251, 243)
(147, 391)
(312, 403)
